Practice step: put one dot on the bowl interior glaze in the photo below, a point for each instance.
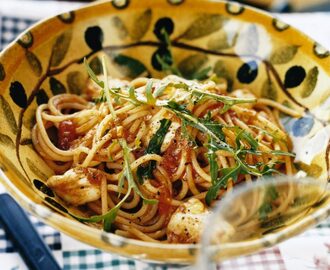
(248, 48)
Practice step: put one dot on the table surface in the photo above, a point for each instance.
(310, 250)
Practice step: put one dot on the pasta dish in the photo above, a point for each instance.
(147, 158)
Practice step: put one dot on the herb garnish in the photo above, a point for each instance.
(145, 171)
(244, 142)
(110, 216)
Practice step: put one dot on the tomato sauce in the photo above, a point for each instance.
(138, 152)
(129, 137)
(165, 198)
(171, 157)
(66, 134)
(93, 176)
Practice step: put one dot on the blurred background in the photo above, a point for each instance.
(271, 5)
(290, 5)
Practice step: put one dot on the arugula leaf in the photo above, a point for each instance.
(129, 173)
(214, 167)
(92, 75)
(214, 127)
(282, 153)
(264, 210)
(106, 89)
(275, 135)
(242, 167)
(226, 100)
(150, 98)
(132, 96)
(243, 135)
(193, 121)
(226, 173)
(186, 135)
(271, 195)
(112, 91)
(172, 69)
(145, 171)
(110, 216)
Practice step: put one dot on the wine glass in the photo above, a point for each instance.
(261, 214)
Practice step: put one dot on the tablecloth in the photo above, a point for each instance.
(310, 250)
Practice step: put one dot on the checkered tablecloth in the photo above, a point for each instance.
(308, 251)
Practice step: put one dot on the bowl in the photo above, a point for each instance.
(249, 48)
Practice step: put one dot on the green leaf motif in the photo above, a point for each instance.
(6, 141)
(128, 66)
(221, 71)
(60, 48)
(36, 170)
(76, 82)
(204, 25)
(29, 118)
(310, 82)
(9, 115)
(221, 42)
(283, 54)
(141, 25)
(120, 27)
(96, 65)
(192, 64)
(268, 90)
(56, 86)
(34, 63)
(248, 40)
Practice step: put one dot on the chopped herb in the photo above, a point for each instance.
(146, 171)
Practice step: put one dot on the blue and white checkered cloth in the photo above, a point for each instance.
(10, 27)
(308, 251)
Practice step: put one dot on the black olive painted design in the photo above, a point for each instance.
(294, 76)
(163, 25)
(18, 94)
(94, 37)
(248, 72)
(163, 53)
(42, 97)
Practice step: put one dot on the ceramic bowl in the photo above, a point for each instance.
(247, 47)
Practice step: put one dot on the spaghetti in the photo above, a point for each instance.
(139, 157)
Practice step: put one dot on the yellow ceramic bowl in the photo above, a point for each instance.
(245, 46)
